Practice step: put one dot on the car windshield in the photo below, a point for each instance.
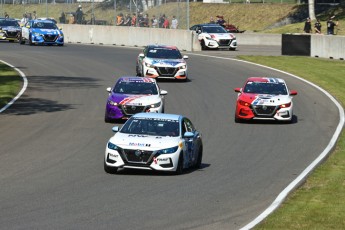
(265, 88)
(9, 23)
(151, 126)
(44, 25)
(125, 87)
(214, 29)
(164, 53)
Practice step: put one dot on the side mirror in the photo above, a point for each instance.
(164, 92)
(198, 31)
(185, 57)
(141, 55)
(188, 135)
(115, 129)
(109, 90)
(60, 28)
(238, 90)
(293, 92)
(28, 27)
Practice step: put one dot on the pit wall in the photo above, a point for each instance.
(325, 46)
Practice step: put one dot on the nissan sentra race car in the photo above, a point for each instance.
(44, 32)
(214, 36)
(9, 29)
(154, 141)
(160, 61)
(264, 98)
(132, 95)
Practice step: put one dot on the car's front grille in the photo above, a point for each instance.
(50, 37)
(167, 71)
(132, 109)
(264, 110)
(137, 156)
(12, 34)
(224, 42)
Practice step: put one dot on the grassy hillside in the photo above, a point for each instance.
(264, 18)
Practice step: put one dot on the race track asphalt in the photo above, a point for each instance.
(53, 139)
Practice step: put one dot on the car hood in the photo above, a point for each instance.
(144, 142)
(11, 28)
(165, 62)
(222, 35)
(46, 31)
(265, 99)
(134, 99)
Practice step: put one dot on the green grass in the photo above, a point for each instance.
(10, 82)
(319, 203)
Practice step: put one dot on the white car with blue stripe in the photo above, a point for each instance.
(44, 32)
(161, 61)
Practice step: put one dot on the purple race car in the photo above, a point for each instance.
(132, 95)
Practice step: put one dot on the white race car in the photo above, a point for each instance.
(154, 141)
(214, 36)
(160, 61)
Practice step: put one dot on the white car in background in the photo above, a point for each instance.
(154, 141)
(214, 36)
(162, 61)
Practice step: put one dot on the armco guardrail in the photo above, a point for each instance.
(325, 46)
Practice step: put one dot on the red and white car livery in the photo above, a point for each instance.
(264, 98)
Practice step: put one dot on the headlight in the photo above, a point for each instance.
(156, 105)
(285, 105)
(113, 146)
(183, 67)
(110, 102)
(149, 65)
(243, 103)
(168, 151)
(36, 34)
(209, 38)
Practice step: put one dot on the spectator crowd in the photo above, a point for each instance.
(143, 20)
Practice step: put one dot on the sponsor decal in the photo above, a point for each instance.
(130, 99)
(138, 144)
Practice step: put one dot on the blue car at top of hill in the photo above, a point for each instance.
(41, 32)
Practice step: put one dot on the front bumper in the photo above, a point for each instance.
(221, 44)
(47, 39)
(264, 113)
(114, 112)
(9, 35)
(166, 72)
(146, 160)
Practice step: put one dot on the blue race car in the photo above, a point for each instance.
(44, 32)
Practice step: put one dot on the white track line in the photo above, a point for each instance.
(25, 85)
(295, 183)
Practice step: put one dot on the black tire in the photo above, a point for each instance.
(179, 169)
(203, 46)
(199, 160)
(30, 41)
(21, 40)
(238, 120)
(137, 70)
(107, 120)
(110, 170)
(232, 49)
